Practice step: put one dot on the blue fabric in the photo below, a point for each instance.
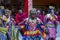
(31, 38)
(2, 12)
(9, 33)
(45, 21)
(58, 30)
(26, 26)
(3, 24)
(39, 26)
(2, 36)
(20, 37)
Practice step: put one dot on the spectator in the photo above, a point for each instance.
(41, 15)
(7, 12)
(20, 16)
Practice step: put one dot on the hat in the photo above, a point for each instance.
(51, 7)
(33, 11)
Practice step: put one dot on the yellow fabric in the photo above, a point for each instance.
(32, 32)
(3, 30)
(44, 35)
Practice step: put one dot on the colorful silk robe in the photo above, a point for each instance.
(33, 29)
(50, 23)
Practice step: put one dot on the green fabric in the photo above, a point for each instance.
(3, 30)
(14, 33)
(13, 37)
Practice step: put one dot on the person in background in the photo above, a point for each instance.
(41, 15)
(38, 13)
(6, 17)
(3, 31)
(20, 16)
(51, 24)
(33, 27)
(8, 12)
(58, 16)
(58, 26)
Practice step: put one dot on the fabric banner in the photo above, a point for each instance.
(27, 6)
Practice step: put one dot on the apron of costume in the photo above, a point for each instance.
(51, 29)
(32, 32)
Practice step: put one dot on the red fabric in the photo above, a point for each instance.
(58, 17)
(26, 7)
(41, 16)
(20, 17)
